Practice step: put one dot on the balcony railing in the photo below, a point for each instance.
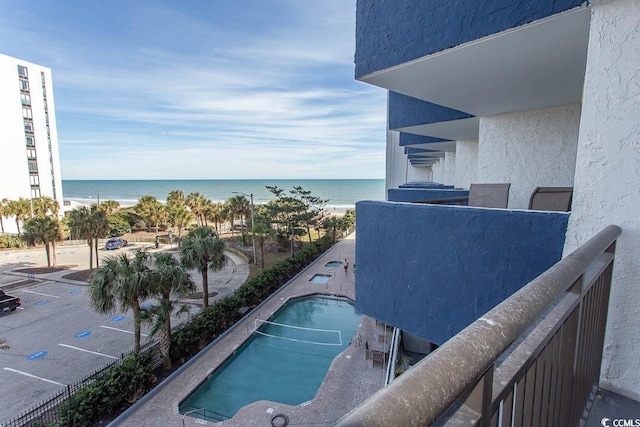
(532, 360)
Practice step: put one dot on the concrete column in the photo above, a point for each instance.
(450, 167)
(529, 149)
(466, 163)
(607, 179)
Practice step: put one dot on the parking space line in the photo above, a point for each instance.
(44, 295)
(33, 376)
(88, 351)
(122, 330)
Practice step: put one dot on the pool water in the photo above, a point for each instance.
(333, 264)
(320, 278)
(279, 363)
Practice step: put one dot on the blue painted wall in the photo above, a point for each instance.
(390, 33)
(432, 270)
(411, 139)
(423, 194)
(405, 111)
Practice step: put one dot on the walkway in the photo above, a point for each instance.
(350, 379)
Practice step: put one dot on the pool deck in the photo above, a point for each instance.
(350, 380)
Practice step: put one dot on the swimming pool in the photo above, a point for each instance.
(278, 363)
(320, 278)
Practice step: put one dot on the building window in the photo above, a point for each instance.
(26, 113)
(28, 127)
(33, 166)
(24, 86)
(34, 180)
(26, 99)
(35, 193)
(31, 141)
(31, 154)
(42, 77)
(22, 71)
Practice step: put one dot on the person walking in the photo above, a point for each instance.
(345, 264)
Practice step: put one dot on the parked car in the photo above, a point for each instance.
(8, 302)
(115, 243)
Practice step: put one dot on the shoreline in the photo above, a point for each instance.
(70, 204)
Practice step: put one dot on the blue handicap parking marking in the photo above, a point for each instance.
(37, 355)
(42, 302)
(83, 334)
(75, 291)
(118, 318)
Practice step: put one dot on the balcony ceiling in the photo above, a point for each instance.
(455, 130)
(538, 65)
(440, 147)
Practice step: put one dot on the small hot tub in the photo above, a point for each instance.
(320, 278)
(333, 264)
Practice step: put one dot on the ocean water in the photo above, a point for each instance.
(341, 193)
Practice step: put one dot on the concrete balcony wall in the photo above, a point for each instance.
(422, 194)
(432, 270)
(607, 179)
(529, 149)
(393, 33)
(466, 163)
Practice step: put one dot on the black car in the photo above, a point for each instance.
(8, 302)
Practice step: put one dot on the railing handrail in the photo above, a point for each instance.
(422, 394)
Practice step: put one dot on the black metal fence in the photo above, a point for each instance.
(46, 413)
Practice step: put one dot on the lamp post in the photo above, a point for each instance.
(253, 237)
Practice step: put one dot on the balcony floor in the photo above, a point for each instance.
(608, 404)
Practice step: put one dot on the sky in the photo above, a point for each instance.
(203, 89)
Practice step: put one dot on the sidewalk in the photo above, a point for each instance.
(350, 380)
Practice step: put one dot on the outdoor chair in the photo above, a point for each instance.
(489, 195)
(551, 199)
(480, 196)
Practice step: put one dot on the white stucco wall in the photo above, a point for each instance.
(449, 168)
(466, 163)
(529, 149)
(398, 169)
(607, 180)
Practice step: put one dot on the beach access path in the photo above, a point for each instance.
(350, 380)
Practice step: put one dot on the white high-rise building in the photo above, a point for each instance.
(28, 135)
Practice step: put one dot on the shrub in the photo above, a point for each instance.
(111, 391)
(9, 241)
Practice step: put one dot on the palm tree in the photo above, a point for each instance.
(196, 203)
(175, 198)
(204, 251)
(4, 212)
(45, 205)
(46, 230)
(21, 210)
(215, 214)
(169, 278)
(109, 206)
(90, 224)
(261, 233)
(180, 217)
(98, 227)
(79, 228)
(121, 283)
(148, 208)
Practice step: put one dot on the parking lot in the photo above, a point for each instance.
(55, 337)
